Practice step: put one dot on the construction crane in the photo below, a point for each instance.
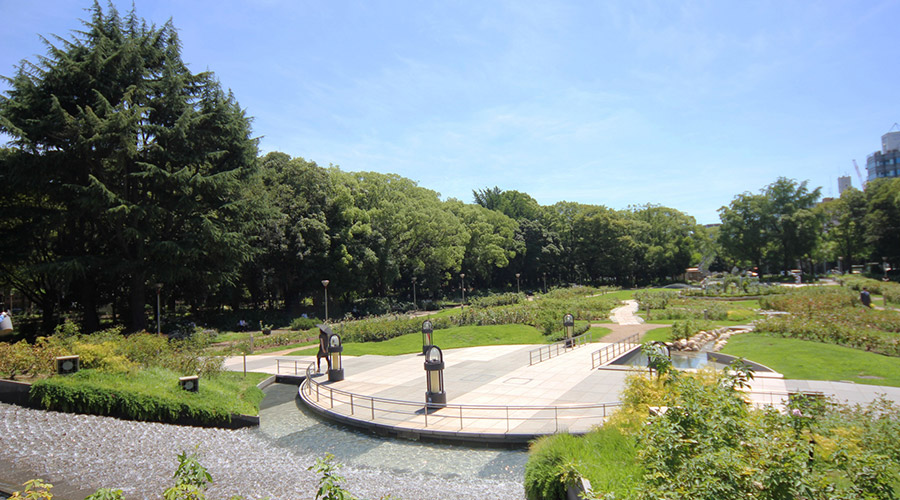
(862, 181)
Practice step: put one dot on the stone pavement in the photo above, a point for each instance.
(488, 386)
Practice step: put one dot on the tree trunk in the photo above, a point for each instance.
(137, 319)
(90, 321)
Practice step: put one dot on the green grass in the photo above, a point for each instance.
(660, 334)
(151, 394)
(605, 456)
(450, 338)
(806, 360)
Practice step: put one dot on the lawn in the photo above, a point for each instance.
(151, 394)
(451, 338)
(802, 359)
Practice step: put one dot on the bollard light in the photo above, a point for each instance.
(325, 285)
(518, 290)
(67, 364)
(427, 336)
(336, 372)
(190, 383)
(569, 323)
(435, 396)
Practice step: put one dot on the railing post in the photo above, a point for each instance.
(426, 415)
(556, 417)
(330, 397)
(372, 401)
(278, 366)
(507, 419)
(351, 403)
(460, 418)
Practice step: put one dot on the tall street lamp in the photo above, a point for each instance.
(462, 287)
(158, 289)
(325, 284)
(517, 283)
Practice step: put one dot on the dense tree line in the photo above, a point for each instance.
(127, 172)
(785, 226)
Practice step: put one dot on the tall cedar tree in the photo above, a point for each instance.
(133, 166)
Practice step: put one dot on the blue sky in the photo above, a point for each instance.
(616, 103)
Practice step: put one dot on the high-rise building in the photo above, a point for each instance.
(844, 184)
(885, 163)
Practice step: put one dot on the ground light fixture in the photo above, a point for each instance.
(191, 383)
(840, 265)
(569, 323)
(336, 372)
(67, 364)
(427, 338)
(517, 283)
(435, 396)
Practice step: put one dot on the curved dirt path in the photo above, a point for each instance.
(626, 323)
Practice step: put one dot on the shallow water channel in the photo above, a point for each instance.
(80, 453)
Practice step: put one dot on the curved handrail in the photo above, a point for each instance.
(365, 408)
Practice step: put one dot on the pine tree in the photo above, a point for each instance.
(143, 163)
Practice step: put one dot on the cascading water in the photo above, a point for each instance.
(81, 453)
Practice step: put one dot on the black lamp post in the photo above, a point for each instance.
(427, 339)
(841, 265)
(517, 282)
(325, 284)
(545, 282)
(415, 304)
(158, 290)
(336, 372)
(435, 396)
(569, 323)
(884, 268)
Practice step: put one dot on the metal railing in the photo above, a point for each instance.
(546, 352)
(295, 362)
(612, 351)
(413, 415)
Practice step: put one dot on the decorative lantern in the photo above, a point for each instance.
(435, 396)
(569, 323)
(336, 372)
(427, 338)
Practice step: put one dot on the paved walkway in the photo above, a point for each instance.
(500, 377)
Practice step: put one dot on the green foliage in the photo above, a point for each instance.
(35, 489)
(191, 479)
(151, 394)
(654, 299)
(106, 494)
(605, 456)
(330, 482)
(164, 157)
(832, 315)
(686, 329)
(495, 300)
(450, 338)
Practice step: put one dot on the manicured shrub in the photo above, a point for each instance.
(302, 324)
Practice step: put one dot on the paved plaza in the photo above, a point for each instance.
(495, 393)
